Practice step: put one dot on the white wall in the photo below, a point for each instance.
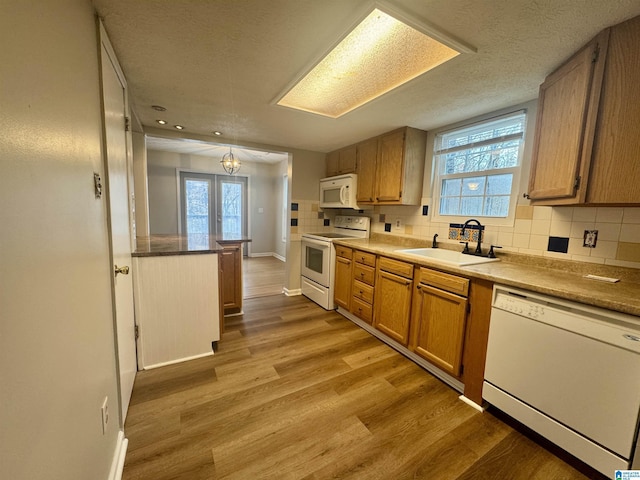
(57, 354)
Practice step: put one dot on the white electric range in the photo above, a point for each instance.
(319, 257)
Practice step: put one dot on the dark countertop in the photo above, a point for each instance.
(161, 245)
(558, 278)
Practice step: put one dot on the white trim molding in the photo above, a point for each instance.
(117, 465)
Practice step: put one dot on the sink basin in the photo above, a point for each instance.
(446, 256)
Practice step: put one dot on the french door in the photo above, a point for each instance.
(212, 205)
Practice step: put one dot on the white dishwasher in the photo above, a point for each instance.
(568, 371)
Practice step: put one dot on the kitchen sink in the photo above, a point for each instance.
(446, 256)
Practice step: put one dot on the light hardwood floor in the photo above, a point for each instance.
(296, 392)
(262, 276)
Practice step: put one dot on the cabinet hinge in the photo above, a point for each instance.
(461, 369)
(595, 54)
(468, 308)
(136, 330)
(127, 124)
(576, 185)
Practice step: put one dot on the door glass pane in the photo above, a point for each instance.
(231, 209)
(197, 195)
(313, 259)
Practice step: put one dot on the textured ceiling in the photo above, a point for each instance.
(221, 64)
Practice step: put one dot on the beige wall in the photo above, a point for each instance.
(263, 185)
(57, 354)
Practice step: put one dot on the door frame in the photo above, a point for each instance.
(111, 57)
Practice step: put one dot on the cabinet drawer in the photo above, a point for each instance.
(363, 273)
(365, 258)
(344, 252)
(394, 266)
(445, 281)
(362, 310)
(363, 292)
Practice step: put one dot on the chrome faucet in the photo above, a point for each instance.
(466, 224)
(434, 244)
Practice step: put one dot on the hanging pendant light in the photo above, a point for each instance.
(230, 163)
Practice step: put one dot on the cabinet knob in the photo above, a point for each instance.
(525, 195)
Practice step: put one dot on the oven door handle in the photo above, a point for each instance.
(319, 243)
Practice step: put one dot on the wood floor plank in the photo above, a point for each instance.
(296, 392)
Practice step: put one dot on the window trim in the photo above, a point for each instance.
(516, 171)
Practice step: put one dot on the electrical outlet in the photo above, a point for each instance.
(105, 414)
(398, 223)
(590, 238)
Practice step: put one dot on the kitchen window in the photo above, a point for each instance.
(478, 170)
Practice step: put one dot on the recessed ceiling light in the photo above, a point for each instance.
(378, 55)
(179, 127)
(217, 133)
(158, 108)
(162, 122)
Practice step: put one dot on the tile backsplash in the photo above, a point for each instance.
(552, 232)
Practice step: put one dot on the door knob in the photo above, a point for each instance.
(123, 270)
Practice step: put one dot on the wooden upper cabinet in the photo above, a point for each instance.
(400, 167)
(390, 175)
(341, 161)
(367, 155)
(587, 141)
(390, 168)
(567, 107)
(615, 166)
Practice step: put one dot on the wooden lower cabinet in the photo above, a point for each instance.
(439, 320)
(392, 307)
(441, 317)
(231, 266)
(343, 277)
(362, 288)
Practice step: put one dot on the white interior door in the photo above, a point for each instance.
(119, 226)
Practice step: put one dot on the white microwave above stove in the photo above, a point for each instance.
(339, 192)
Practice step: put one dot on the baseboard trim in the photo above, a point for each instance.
(179, 360)
(268, 254)
(471, 403)
(117, 465)
(293, 292)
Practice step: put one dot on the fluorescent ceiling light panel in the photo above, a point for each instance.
(380, 54)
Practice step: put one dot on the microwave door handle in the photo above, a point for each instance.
(343, 196)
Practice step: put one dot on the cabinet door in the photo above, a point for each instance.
(367, 153)
(343, 280)
(390, 166)
(392, 306)
(333, 163)
(439, 327)
(615, 176)
(231, 259)
(567, 110)
(347, 162)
